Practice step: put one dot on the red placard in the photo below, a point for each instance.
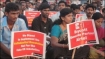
(52, 13)
(30, 15)
(82, 33)
(2, 0)
(28, 43)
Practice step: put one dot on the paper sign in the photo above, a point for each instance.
(82, 33)
(80, 17)
(30, 15)
(28, 43)
(2, 0)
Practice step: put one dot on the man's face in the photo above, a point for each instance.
(12, 15)
(90, 11)
(61, 6)
(23, 6)
(77, 11)
(45, 12)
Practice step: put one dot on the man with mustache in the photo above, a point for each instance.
(9, 24)
(90, 10)
(42, 23)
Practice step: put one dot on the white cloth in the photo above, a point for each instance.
(55, 16)
(1, 14)
(97, 11)
(77, 2)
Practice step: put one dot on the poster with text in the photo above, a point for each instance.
(80, 17)
(30, 15)
(28, 43)
(82, 33)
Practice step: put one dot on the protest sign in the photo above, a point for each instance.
(2, 0)
(82, 33)
(80, 17)
(28, 43)
(30, 15)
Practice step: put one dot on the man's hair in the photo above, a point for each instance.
(90, 6)
(72, 6)
(97, 16)
(11, 7)
(94, 2)
(43, 6)
(62, 2)
(76, 7)
(103, 10)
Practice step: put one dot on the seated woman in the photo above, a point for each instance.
(59, 38)
(98, 51)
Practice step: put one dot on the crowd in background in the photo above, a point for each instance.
(54, 27)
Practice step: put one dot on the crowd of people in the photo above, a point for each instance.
(12, 19)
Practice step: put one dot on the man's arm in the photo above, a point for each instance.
(4, 48)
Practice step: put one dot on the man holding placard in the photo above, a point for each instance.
(8, 24)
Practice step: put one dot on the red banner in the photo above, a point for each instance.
(82, 33)
(2, 0)
(30, 15)
(28, 43)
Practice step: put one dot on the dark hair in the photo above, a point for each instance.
(43, 6)
(97, 15)
(103, 10)
(62, 2)
(90, 6)
(11, 7)
(31, 3)
(63, 13)
(80, 5)
(76, 7)
(72, 6)
(94, 2)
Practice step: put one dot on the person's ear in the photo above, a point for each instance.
(62, 18)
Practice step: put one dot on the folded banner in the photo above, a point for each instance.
(28, 43)
(81, 33)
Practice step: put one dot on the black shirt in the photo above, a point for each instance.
(41, 26)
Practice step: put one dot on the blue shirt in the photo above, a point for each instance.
(5, 37)
(56, 31)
